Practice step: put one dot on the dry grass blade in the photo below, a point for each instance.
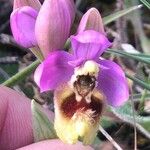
(115, 144)
(134, 121)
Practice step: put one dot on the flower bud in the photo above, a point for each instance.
(91, 20)
(22, 23)
(53, 24)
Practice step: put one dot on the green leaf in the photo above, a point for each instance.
(146, 3)
(139, 57)
(114, 16)
(43, 128)
(138, 96)
(125, 113)
(139, 82)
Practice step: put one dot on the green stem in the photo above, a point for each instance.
(21, 75)
(37, 52)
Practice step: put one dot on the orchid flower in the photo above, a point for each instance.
(46, 27)
(83, 81)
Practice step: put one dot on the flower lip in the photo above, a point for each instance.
(70, 106)
(77, 119)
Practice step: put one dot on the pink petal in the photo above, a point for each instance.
(71, 8)
(53, 71)
(91, 20)
(112, 82)
(89, 44)
(15, 119)
(53, 24)
(22, 22)
(32, 3)
(56, 145)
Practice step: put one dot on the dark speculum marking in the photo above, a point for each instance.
(70, 106)
(84, 84)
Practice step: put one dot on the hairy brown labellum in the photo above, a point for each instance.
(77, 119)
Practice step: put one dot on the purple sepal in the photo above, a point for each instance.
(113, 83)
(22, 23)
(53, 71)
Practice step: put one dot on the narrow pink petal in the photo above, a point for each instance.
(15, 119)
(56, 145)
(22, 22)
(91, 20)
(53, 24)
(89, 44)
(53, 71)
(112, 82)
(32, 3)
